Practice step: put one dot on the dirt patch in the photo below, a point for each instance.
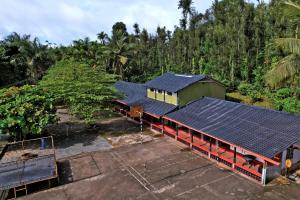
(129, 139)
(72, 136)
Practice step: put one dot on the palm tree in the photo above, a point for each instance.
(119, 52)
(102, 37)
(288, 68)
(186, 6)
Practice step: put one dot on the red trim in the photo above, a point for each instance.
(255, 154)
(119, 101)
(184, 139)
(157, 126)
(169, 130)
(200, 147)
(153, 115)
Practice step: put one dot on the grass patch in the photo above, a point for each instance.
(237, 97)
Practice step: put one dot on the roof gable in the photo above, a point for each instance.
(173, 82)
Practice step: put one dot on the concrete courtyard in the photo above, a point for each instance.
(160, 169)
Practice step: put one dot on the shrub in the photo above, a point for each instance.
(25, 110)
(283, 93)
(298, 93)
(245, 88)
(255, 95)
(291, 105)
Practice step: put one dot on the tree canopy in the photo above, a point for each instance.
(252, 48)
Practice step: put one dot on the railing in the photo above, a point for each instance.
(156, 127)
(221, 159)
(248, 172)
(169, 130)
(201, 150)
(213, 155)
(188, 141)
(202, 146)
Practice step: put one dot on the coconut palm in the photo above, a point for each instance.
(102, 36)
(288, 68)
(118, 52)
(186, 6)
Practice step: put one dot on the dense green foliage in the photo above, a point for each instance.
(84, 89)
(233, 41)
(25, 110)
(285, 100)
(253, 48)
(23, 60)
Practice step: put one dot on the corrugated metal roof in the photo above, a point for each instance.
(135, 94)
(22, 172)
(173, 82)
(262, 131)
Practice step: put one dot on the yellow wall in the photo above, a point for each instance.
(192, 92)
(150, 94)
(199, 90)
(160, 96)
(171, 99)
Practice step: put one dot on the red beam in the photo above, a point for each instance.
(255, 154)
(153, 115)
(119, 101)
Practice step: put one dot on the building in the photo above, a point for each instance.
(166, 93)
(179, 89)
(252, 141)
(26, 164)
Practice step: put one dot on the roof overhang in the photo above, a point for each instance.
(253, 153)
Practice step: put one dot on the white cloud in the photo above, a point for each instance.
(62, 21)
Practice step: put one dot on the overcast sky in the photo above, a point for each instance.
(62, 21)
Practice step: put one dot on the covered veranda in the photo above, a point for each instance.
(243, 161)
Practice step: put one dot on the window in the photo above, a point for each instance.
(169, 93)
(151, 89)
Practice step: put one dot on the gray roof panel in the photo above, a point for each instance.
(173, 82)
(262, 131)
